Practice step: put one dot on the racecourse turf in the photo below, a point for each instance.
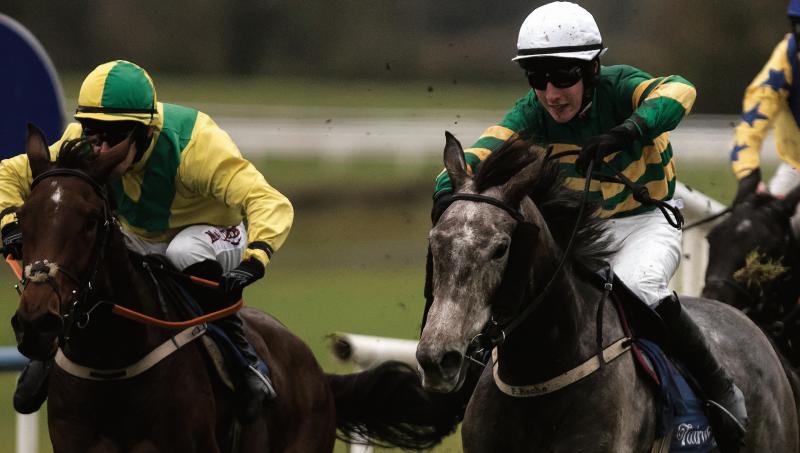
(354, 260)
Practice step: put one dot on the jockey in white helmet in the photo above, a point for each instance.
(619, 117)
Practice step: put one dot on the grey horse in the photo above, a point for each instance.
(610, 409)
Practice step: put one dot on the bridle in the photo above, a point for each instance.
(42, 271)
(502, 323)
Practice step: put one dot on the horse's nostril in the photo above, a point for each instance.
(451, 363)
(48, 324)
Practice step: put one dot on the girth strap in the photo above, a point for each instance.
(588, 367)
(156, 355)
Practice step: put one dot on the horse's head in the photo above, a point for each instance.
(749, 249)
(470, 247)
(64, 222)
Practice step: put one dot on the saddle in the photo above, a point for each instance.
(189, 299)
(682, 425)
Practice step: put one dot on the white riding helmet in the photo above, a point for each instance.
(561, 30)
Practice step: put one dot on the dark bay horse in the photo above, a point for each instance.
(754, 265)
(608, 410)
(76, 265)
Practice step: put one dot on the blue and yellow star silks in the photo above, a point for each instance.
(767, 104)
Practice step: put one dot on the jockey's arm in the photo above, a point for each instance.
(215, 167)
(15, 177)
(516, 120)
(658, 104)
(764, 99)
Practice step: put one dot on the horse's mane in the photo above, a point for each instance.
(76, 154)
(558, 204)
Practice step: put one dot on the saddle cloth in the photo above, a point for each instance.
(680, 413)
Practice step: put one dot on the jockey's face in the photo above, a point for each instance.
(109, 132)
(105, 134)
(561, 103)
(558, 83)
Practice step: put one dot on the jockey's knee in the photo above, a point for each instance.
(651, 289)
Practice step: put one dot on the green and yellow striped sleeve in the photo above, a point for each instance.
(491, 139)
(662, 102)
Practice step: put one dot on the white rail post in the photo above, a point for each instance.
(27, 432)
(696, 206)
(365, 351)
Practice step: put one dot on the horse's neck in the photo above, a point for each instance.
(109, 340)
(561, 334)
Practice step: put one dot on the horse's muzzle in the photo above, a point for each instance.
(37, 339)
(441, 372)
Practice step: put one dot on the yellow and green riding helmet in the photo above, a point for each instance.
(117, 91)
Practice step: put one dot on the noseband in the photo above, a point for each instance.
(43, 271)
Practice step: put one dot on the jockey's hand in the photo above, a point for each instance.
(12, 239)
(232, 284)
(748, 185)
(619, 138)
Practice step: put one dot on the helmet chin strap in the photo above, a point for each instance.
(140, 137)
(590, 79)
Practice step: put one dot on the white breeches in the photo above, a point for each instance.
(195, 244)
(649, 251)
(785, 179)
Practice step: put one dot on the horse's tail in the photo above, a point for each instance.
(386, 406)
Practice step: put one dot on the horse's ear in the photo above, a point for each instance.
(454, 161)
(517, 187)
(108, 160)
(37, 151)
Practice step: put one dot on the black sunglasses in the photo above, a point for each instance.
(563, 77)
(111, 134)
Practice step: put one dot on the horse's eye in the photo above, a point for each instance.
(500, 252)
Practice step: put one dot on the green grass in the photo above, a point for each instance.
(354, 260)
(270, 91)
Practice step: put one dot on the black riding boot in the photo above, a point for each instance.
(253, 385)
(31, 390)
(726, 409)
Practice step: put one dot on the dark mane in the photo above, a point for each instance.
(76, 154)
(558, 204)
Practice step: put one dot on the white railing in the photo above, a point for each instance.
(696, 206)
(27, 435)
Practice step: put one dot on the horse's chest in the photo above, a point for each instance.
(591, 421)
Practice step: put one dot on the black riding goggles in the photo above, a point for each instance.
(560, 77)
(109, 133)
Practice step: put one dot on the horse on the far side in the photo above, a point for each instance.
(754, 265)
(120, 385)
(562, 376)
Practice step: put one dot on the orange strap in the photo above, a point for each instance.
(14, 266)
(145, 319)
